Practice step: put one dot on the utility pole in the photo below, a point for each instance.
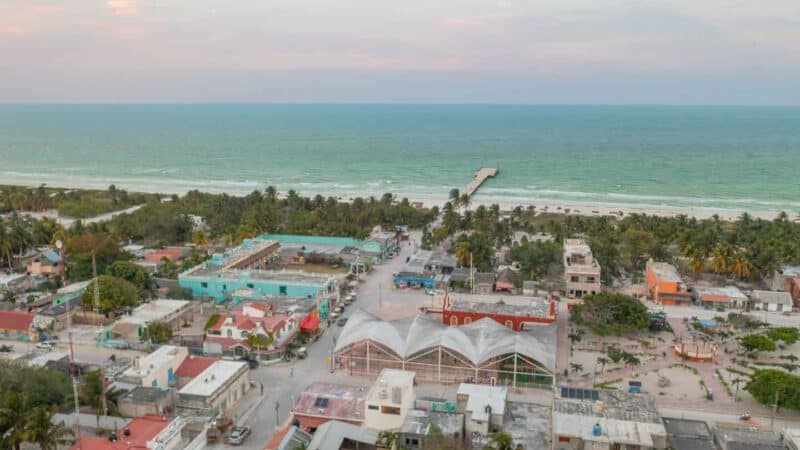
(775, 408)
(471, 274)
(96, 307)
(73, 368)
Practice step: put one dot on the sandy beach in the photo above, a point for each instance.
(540, 204)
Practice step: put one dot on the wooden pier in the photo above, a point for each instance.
(481, 175)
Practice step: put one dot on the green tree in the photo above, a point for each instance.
(41, 430)
(179, 293)
(770, 387)
(13, 414)
(157, 333)
(789, 335)
(132, 273)
(500, 441)
(116, 294)
(610, 313)
(758, 342)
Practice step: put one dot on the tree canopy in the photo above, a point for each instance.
(758, 342)
(157, 333)
(116, 294)
(132, 273)
(767, 386)
(609, 313)
(788, 335)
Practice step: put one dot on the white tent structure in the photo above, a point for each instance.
(480, 352)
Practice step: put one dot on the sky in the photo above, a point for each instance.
(411, 51)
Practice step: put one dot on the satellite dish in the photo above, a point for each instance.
(59, 244)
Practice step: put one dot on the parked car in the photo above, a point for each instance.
(302, 352)
(238, 435)
(342, 321)
(47, 345)
(338, 310)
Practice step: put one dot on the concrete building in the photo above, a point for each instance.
(135, 435)
(336, 435)
(529, 425)
(18, 282)
(685, 434)
(606, 420)
(423, 267)
(156, 369)
(772, 301)
(417, 432)
(792, 438)
(484, 408)
(726, 297)
(731, 436)
(323, 402)
(389, 400)
(220, 285)
(581, 270)
(289, 438)
(484, 283)
(141, 401)
(216, 389)
(131, 328)
(377, 246)
(17, 326)
(47, 264)
(191, 367)
(665, 286)
(514, 312)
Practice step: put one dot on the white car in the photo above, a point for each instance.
(47, 345)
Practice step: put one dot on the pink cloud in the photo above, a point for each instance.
(122, 7)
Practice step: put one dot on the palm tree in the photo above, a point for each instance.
(721, 259)
(696, 264)
(12, 420)
(41, 430)
(464, 201)
(602, 361)
(454, 195)
(499, 441)
(6, 246)
(576, 368)
(742, 267)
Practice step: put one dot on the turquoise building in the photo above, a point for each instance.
(222, 284)
(378, 244)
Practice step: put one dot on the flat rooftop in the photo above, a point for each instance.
(248, 248)
(719, 291)
(576, 246)
(333, 401)
(773, 297)
(419, 421)
(501, 305)
(481, 396)
(153, 311)
(528, 424)
(145, 394)
(736, 437)
(665, 271)
(275, 276)
(387, 381)
(615, 405)
(155, 360)
(213, 378)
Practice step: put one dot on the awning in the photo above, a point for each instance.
(503, 285)
(311, 322)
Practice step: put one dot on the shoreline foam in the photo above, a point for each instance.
(506, 204)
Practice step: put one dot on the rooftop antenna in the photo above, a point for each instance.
(96, 303)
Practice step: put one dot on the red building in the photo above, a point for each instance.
(135, 435)
(514, 312)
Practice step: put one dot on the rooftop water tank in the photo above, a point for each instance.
(596, 430)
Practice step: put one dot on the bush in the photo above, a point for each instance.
(788, 335)
(758, 342)
(767, 386)
(609, 313)
(179, 293)
(116, 294)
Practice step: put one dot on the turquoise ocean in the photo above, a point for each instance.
(736, 158)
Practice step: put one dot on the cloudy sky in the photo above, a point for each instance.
(504, 51)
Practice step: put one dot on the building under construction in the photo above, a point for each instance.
(481, 352)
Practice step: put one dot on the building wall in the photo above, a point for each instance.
(381, 421)
(129, 408)
(18, 335)
(162, 375)
(225, 398)
(221, 288)
(460, 318)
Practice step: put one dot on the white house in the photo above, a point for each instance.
(156, 369)
(217, 388)
(483, 406)
(772, 301)
(389, 400)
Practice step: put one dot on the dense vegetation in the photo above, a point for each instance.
(235, 218)
(69, 203)
(758, 342)
(28, 398)
(609, 313)
(770, 387)
(116, 295)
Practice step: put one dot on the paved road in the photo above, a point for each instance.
(284, 381)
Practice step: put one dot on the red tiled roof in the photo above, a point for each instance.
(142, 429)
(341, 402)
(227, 342)
(193, 366)
(15, 320)
(714, 298)
(260, 306)
(169, 253)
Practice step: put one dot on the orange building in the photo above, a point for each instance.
(665, 286)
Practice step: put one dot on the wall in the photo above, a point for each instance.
(225, 398)
(221, 288)
(516, 321)
(160, 376)
(375, 419)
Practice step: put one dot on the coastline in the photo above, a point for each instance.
(506, 204)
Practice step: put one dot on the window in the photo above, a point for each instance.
(250, 285)
(204, 284)
(467, 320)
(321, 402)
(373, 407)
(453, 320)
(282, 290)
(393, 410)
(573, 278)
(509, 324)
(590, 279)
(224, 287)
(229, 333)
